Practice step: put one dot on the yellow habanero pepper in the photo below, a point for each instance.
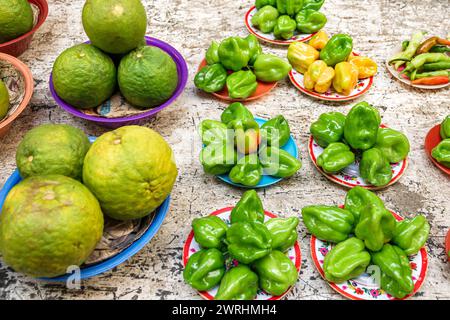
(318, 77)
(346, 78)
(319, 40)
(301, 55)
(366, 66)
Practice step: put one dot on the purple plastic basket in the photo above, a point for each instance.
(135, 119)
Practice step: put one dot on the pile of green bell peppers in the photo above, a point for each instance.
(441, 153)
(244, 256)
(237, 64)
(365, 232)
(285, 17)
(237, 146)
(359, 136)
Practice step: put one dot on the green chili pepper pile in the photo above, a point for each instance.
(441, 153)
(424, 62)
(238, 64)
(259, 248)
(285, 17)
(238, 146)
(364, 231)
(359, 133)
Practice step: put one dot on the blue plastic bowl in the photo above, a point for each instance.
(266, 180)
(96, 269)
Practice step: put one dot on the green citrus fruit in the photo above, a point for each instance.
(52, 149)
(47, 224)
(16, 19)
(115, 26)
(131, 171)
(84, 76)
(147, 77)
(4, 100)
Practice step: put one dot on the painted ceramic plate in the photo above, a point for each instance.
(262, 89)
(364, 287)
(269, 37)
(349, 177)
(191, 247)
(404, 79)
(266, 180)
(432, 140)
(361, 88)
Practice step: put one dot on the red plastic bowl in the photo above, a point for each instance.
(18, 46)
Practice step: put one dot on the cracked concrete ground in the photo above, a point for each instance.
(190, 25)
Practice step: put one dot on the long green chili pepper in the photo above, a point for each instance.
(409, 52)
(434, 66)
(439, 48)
(439, 73)
(420, 60)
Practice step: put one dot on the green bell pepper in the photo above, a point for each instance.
(248, 241)
(289, 7)
(283, 232)
(310, 21)
(375, 168)
(276, 273)
(239, 283)
(210, 231)
(361, 126)
(445, 128)
(212, 54)
(241, 84)
(335, 157)
(262, 3)
(376, 226)
(396, 273)
(265, 19)
(235, 111)
(328, 223)
(249, 208)
(234, 53)
(411, 234)
(247, 171)
(284, 28)
(347, 260)
(270, 68)
(254, 47)
(442, 153)
(358, 198)
(212, 131)
(278, 162)
(393, 144)
(204, 269)
(211, 78)
(276, 132)
(328, 128)
(313, 4)
(218, 158)
(337, 49)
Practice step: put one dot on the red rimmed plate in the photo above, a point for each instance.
(269, 37)
(191, 247)
(349, 177)
(262, 89)
(432, 140)
(364, 287)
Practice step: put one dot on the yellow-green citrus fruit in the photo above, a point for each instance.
(147, 77)
(47, 224)
(52, 149)
(4, 100)
(84, 76)
(16, 19)
(115, 26)
(131, 171)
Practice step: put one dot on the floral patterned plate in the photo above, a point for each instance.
(361, 88)
(432, 140)
(364, 287)
(191, 247)
(269, 37)
(349, 177)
